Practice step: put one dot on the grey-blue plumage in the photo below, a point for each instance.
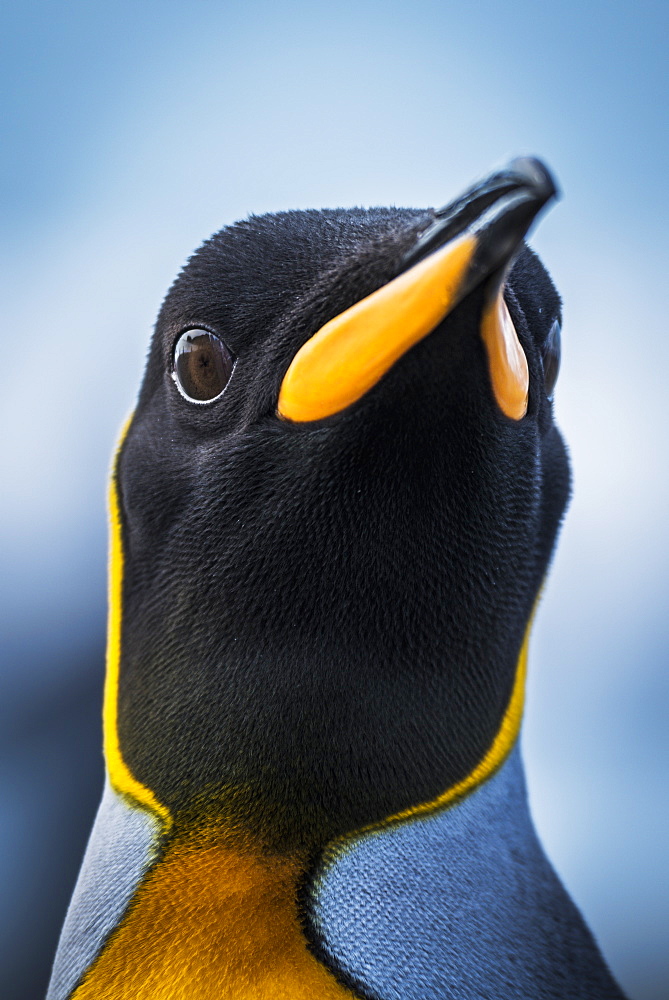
(322, 577)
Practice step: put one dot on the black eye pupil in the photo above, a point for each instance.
(551, 358)
(202, 365)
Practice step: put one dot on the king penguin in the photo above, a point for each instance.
(332, 512)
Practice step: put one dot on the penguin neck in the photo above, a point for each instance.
(464, 831)
(465, 892)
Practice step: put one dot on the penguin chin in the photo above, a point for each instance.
(301, 724)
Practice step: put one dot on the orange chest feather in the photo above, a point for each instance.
(212, 922)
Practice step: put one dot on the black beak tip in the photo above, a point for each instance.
(535, 176)
(499, 210)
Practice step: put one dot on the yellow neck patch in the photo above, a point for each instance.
(120, 776)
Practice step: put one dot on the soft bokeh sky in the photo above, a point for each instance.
(136, 129)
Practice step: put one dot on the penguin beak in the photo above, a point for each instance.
(472, 242)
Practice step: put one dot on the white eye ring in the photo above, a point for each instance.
(551, 352)
(201, 366)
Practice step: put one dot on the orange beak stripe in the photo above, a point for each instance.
(507, 363)
(351, 353)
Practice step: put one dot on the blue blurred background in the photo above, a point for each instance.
(136, 129)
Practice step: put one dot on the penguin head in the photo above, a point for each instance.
(328, 571)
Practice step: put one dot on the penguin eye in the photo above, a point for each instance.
(202, 365)
(551, 358)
